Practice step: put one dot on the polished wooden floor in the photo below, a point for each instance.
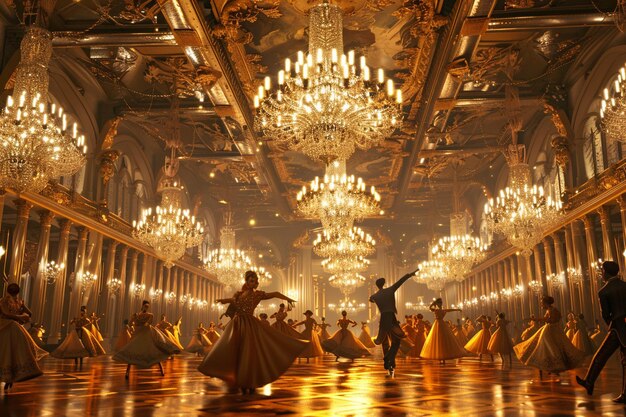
(321, 388)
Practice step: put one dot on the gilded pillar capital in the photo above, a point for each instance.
(45, 218)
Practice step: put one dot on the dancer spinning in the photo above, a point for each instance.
(199, 343)
(549, 349)
(389, 331)
(365, 337)
(500, 342)
(441, 344)
(148, 346)
(613, 305)
(343, 343)
(212, 332)
(313, 349)
(94, 326)
(479, 344)
(533, 327)
(20, 354)
(570, 326)
(280, 325)
(168, 330)
(80, 343)
(124, 337)
(250, 355)
(324, 333)
(581, 340)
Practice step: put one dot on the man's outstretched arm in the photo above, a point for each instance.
(403, 280)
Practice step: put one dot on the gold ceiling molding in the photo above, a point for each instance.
(490, 62)
(422, 24)
(179, 72)
(553, 101)
(519, 4)
(109, 137)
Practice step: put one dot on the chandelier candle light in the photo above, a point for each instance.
(613, 108)
(521, 211)
(355, 241)
(37, 144)
(326, 104)
(227, 262)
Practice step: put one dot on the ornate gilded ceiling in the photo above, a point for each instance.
(457, 61)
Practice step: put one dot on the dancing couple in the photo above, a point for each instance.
(389, 331)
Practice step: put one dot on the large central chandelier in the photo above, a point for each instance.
(168, 228)
(459, 251)
(36, 143)
(345, 262)
(324, 104)
(346, 281)
(433, 273)
(228, 263)
(355, 242)
(338, 199)
(521, 211)
(613, 108)
(347, 305)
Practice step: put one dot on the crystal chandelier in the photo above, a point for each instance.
(138, 290)
(227, 262)
(459, 251)
(349, 306)
(88, 279)
(155, 294)
(575, 275)
(613, 108)
(355, 241)
(521, 212)
(169, 229)
(170, 297)
(518, 291)
(535, 286)
(433, 273)
(265, 278)
(338, 199)
(114, 285)
(36, 144)
(556, 281)
(346, 282)
(345, 262)
(324, 104)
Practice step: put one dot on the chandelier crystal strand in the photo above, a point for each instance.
(326, 104)
(433, 273)
(338, 199)
(36, 142)
(522, 212)
(228, 262)
(346, 282)
(169, 229)
(355, 241)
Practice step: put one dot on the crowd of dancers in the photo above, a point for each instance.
(251, 351)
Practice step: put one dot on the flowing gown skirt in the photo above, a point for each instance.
(343, 343)
(442, 344)
(146, 348)
(583, 342)
(479, 344)
(500, 342)
(549, 350)
(199, 343)
(122, 340)
(365, 337)
(250, 355)
(314, 348)
(70, 348)
(19, 353)
(284, 328)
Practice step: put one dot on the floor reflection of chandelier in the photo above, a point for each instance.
(521, 212)
(613, 108)
(459, 251)
(349, 306)
(169, 229)
(355, 241)
(227, 262)
(338, 199)
(326, 104)
(346, 282)
(36, 143)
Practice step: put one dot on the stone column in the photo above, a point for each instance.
(107, 299)
(608, 246)
(79, 268)
(56, 313)
(592, 259)
(559, 258)
(40, 282)
(18, 244)
(133, 302)
(121, 297)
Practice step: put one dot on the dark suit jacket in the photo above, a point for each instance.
(613, 305)
(385, 299)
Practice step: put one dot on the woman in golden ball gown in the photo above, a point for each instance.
(411, 334)
(459, 333)
(168, 330)
(366, 337)
(420, 334)
(597, 336)
(148, 346)
(19, 354)
(79, 342)
(212, 332)
(94, 327)
(124, 337)
(469, 329)
(570, 326)
(441, 344)
(323, 327)
(343, 343)
(533, 327)
(479, 343)
(280, 325)
(313, 349)
(549, 349)
(501, 342)
(581, 339)
(199, 343)
(250, 355)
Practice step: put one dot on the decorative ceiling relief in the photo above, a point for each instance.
(188, 80)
